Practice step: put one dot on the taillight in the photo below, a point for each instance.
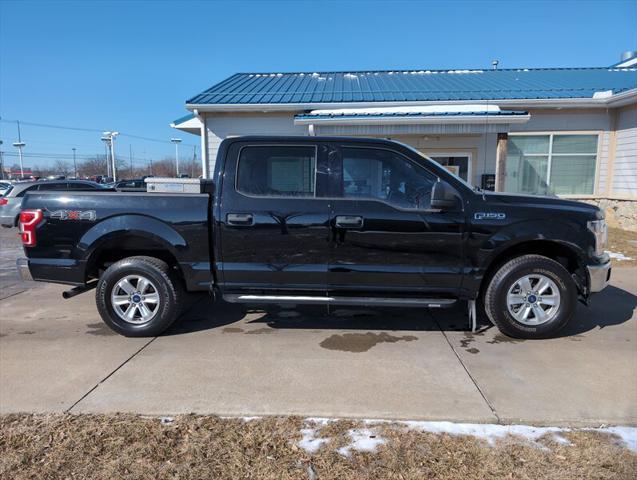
(3, 201)
(29, 220)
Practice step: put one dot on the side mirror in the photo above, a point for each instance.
(442, 195)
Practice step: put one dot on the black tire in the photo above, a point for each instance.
(495, 297)
(166, 285)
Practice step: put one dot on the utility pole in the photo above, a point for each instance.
(130, 157)
(74, 163)
(150, 165)
(194, 162)
(176, 141)
(1, 162)
(20, 145)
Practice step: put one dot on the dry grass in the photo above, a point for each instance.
(623, 241)
(199, 447)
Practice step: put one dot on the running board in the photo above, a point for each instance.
(368, 301)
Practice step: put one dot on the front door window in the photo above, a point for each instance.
(457, 163)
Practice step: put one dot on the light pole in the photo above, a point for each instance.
(176, 141)
(19, 146)
(109, 137)
(74, 163)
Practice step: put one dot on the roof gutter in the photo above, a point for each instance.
(617, 100)
(413, 120)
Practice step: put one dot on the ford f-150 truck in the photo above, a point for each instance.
(318, 220)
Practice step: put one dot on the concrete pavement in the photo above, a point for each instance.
(56, 355)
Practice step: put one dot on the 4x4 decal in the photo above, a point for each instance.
(88, 215)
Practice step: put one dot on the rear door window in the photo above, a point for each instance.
(277, 171)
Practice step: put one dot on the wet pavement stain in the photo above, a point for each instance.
(473, 350)
(26, 332)
(3, 335)
(99, 329)
(232, 330)
(500, 338)
(259, 331)
(361, 342)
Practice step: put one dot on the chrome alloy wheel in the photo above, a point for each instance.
(533, 299)
(135, 299)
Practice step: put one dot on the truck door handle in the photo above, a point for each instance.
(242, 219)
(349, 221)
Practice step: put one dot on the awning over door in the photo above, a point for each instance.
(438, 119)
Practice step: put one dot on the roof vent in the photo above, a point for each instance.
(495, 63)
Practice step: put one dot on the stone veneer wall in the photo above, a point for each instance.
(619, 213)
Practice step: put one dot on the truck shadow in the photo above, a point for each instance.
(609, 308)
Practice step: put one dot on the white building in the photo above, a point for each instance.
(569, 131)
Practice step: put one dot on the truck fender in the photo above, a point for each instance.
(130, 225)
(490, 249)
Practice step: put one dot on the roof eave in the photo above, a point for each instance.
(617, 100)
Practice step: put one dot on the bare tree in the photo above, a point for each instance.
(62, 167)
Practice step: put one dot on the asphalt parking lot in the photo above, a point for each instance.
(57, 355)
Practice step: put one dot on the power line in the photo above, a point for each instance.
(80, 129)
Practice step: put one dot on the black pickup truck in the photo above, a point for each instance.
(318, 220)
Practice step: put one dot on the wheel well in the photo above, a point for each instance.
(553, 250)
(128, 246)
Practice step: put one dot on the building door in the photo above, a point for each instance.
(385, 237)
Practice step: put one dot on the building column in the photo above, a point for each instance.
(501, 161)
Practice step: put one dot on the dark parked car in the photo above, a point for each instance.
(318, 220)
(11, 201)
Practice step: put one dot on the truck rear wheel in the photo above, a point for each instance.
(531, 297)
(138, 297)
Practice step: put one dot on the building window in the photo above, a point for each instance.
(277, 171)
(551, 164)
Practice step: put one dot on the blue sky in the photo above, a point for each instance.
(130, 66)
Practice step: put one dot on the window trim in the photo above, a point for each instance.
(342, 147)
(249, 195)
(551, 133)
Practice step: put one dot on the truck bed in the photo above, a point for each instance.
(80, 231)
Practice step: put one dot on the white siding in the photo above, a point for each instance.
(224, 125)
(625, 171)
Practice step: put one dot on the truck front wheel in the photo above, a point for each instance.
(531, 297)
(138, 297)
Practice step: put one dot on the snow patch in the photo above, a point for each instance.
(603, 94)
(423, 109)
(362, 440)
(350, 76)
(627, 434)
(310, 443)
(488, 432)
(618, 256)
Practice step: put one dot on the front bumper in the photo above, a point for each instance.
(598, 277)
(22, 264)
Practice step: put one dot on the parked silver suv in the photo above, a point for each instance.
(11, 201)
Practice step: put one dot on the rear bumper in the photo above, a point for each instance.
(52, 270)
(22, 264)
(598, 277)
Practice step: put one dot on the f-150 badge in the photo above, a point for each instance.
(74, 215)
(489, 216)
